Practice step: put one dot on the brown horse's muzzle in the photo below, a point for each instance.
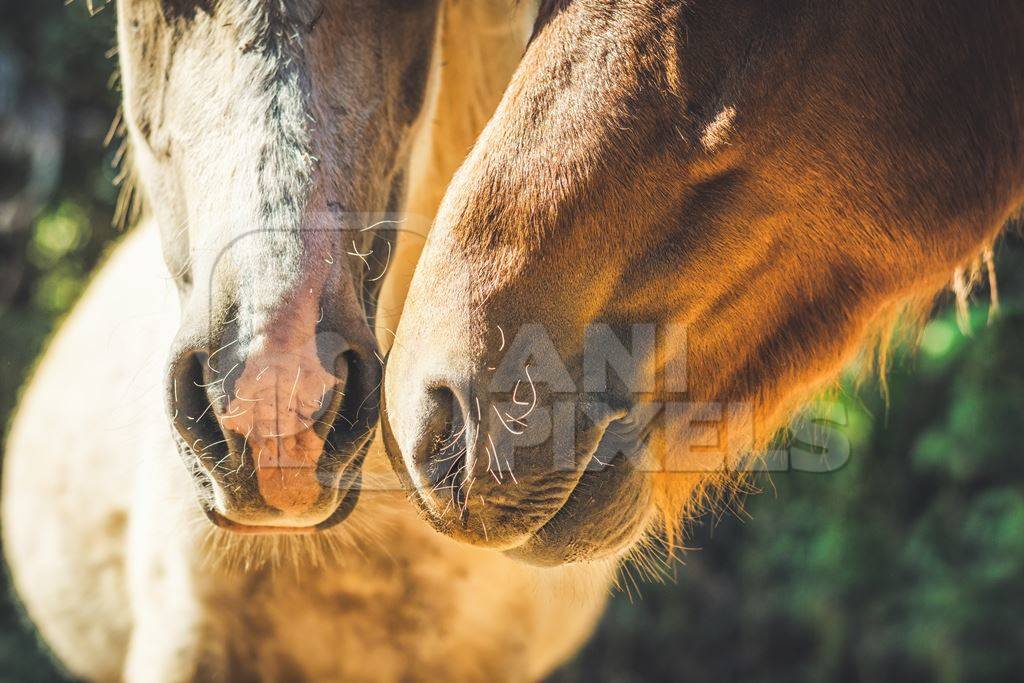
(548, 479)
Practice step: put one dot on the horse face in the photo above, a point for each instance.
(718, 200)
(269, 139)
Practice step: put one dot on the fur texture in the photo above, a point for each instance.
(782, 180)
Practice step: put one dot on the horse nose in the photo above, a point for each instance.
(277, 421)
(445, 446)
(432, 451)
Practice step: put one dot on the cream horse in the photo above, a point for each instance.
(127, 580)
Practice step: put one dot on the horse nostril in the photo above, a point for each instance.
(441, 453)
(192, 413)
(442, 432)
(359, 407)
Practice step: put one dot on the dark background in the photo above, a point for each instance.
(904, 565)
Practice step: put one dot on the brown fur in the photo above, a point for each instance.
(782, 178)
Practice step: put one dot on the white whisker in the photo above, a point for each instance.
(355, 252)
(210, 358)
(382, 222)
(295, 384)
(503, 423)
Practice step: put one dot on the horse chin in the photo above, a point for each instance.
(604, 515)
(340, 513)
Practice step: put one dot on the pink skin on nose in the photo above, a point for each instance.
(279, 398)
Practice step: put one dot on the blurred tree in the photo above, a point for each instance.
(56, 203)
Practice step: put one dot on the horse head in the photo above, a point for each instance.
(686, 217)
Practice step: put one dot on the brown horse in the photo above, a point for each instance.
(725, 201)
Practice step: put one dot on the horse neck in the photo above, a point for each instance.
(477, 47)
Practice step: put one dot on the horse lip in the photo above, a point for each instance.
(347, 476)
(584, 464)
(521, 551)
(223, 522)
(456, 527)
(341, 512)
(641, 441)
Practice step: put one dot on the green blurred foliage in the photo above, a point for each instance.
(56, 202)
(904, 565)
